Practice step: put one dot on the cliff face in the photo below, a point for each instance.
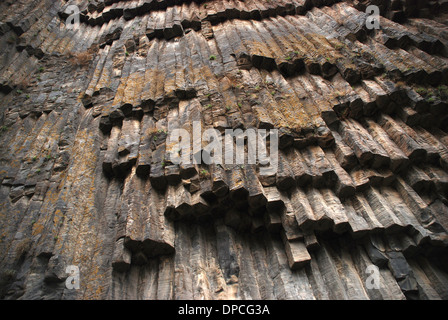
(362, 176)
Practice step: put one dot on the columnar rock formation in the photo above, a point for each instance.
(86, 181)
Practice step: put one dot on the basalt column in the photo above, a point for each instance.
(86, 177)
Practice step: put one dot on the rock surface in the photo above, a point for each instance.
(362, 178)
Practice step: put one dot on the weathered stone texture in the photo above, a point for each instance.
(86, 179)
